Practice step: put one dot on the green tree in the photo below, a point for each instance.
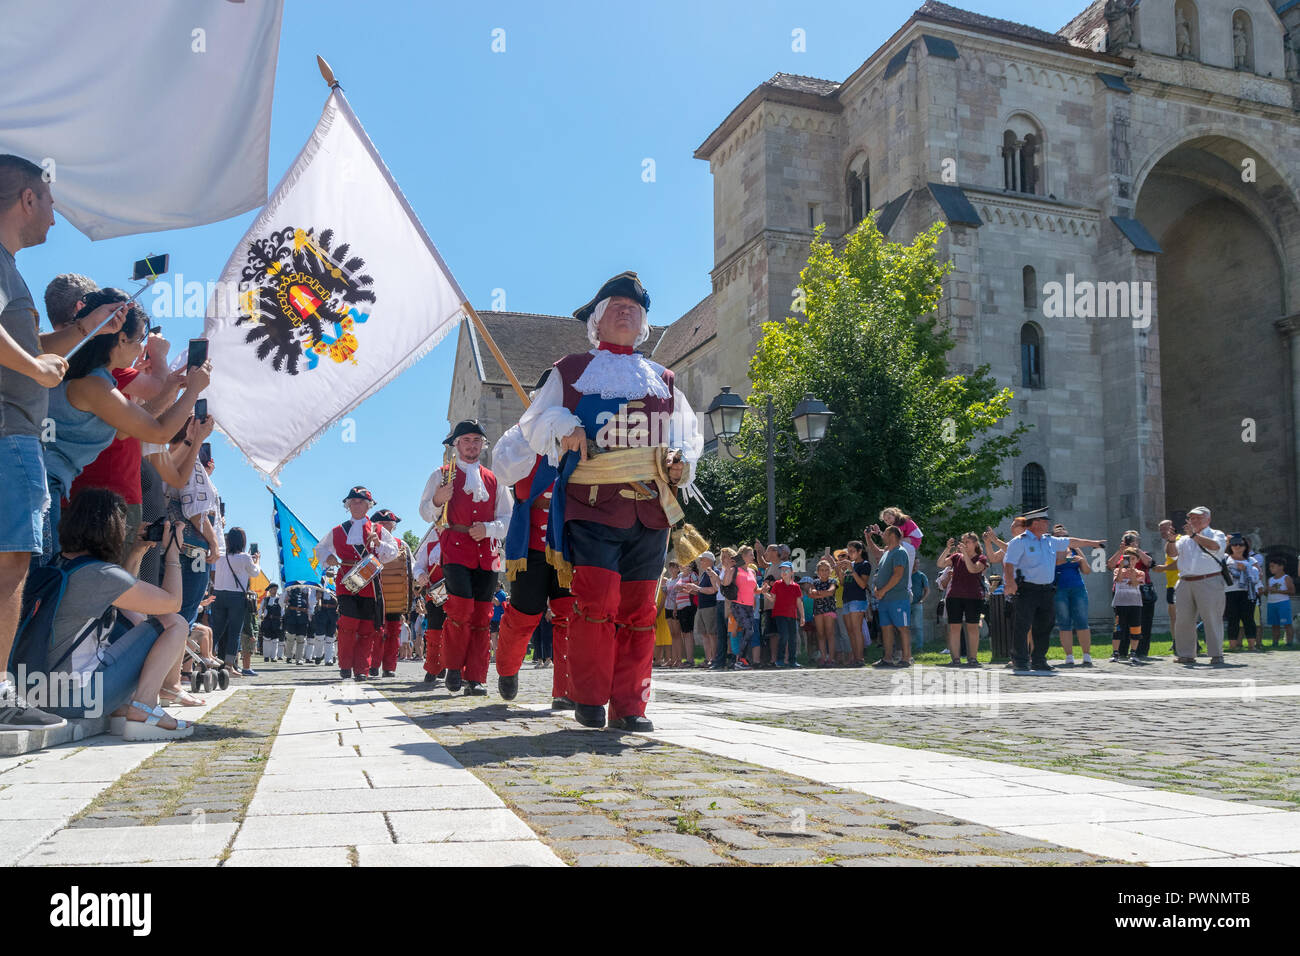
(905, 431)
(412, 540)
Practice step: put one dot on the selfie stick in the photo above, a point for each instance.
(135, 295)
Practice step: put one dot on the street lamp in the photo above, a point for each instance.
(811, 418)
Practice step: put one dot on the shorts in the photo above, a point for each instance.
(686, 619)
(706, 621)
(1279, 613)
(855, 607)
(1072, 609)
(24, 494)
(963, 610)
(895, 613)
(1169, 596)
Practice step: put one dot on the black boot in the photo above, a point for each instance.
(589, 715)
(635, 725)
(474, 689)
(430, 678)
(453, 680)
(390, 673)
(561, 703)
(442, 674)
(508, 687)
(345, 674)
(374, 672)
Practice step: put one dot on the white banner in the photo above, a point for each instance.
(333, 292)
(145, 114)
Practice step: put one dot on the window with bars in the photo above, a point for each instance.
(1031, 356)
(1033, 487)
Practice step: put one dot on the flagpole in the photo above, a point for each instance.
(496, 352)
(328, 75)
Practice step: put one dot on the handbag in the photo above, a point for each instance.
(250, 598)
(1148, 593)
(730, 591)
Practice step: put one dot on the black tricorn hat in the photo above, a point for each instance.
(383, 514)
(359, 491)
(625, 284)
(468, 427)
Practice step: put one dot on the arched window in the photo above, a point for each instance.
(1031, 356)
(1033, 487)
(1187, 30)
(858, 190)
(1029, 280)
(1243, 41)
(1022, 156)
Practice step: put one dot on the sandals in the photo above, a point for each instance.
(150, 729)
(181, 698)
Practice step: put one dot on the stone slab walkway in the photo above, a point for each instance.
(1098, 816)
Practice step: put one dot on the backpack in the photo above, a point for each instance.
(42, 596)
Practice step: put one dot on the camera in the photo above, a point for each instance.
(155, 530)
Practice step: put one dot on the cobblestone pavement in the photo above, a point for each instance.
(605, 799)
(1240, 747)
(209, 778)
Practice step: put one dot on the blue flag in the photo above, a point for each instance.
(297, 546)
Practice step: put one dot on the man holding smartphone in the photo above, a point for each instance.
(1200, 589)
(31, 363)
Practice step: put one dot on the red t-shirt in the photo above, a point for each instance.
(118, 466)
(784, 598)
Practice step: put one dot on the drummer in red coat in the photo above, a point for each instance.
(428, 575)
(361, 611)
(477, 511)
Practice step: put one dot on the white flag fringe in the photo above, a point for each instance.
(144, 114)
(334, 291)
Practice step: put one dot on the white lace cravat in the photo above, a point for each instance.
(473, 480)
(612, 375)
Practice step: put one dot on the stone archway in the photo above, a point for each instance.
(1225, 279)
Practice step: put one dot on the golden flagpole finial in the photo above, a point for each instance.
(326, 72)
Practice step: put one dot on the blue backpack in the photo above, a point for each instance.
(42, 595)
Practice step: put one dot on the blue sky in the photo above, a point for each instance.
(525, 168)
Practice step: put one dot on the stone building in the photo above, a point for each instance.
(1122, 201)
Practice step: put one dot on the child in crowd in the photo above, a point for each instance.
(1280, 588)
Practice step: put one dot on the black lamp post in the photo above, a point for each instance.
(811, 418)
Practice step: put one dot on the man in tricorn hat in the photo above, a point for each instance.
(397, 582)
(360, 612)
(475, 517)
(625, 441)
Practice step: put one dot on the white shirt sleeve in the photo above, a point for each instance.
(427, 511)
(684, 433)
(388, 549)
(311, 600)
(496, 528)
(512, 457)
(324, 549)
(546, 420)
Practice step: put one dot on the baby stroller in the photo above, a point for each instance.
(205, 677)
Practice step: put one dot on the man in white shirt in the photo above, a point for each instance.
(1199, 550)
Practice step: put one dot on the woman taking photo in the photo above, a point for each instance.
(234, 572)
(114, 634)
(856, 574)
(1127, 602)
(1239, 596)
(87, 410)
(965, 597)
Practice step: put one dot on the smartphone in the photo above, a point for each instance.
(155, 530)
(198, 353)
(205, 453)
(201, 409)
(252, 548)
(150, 267)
